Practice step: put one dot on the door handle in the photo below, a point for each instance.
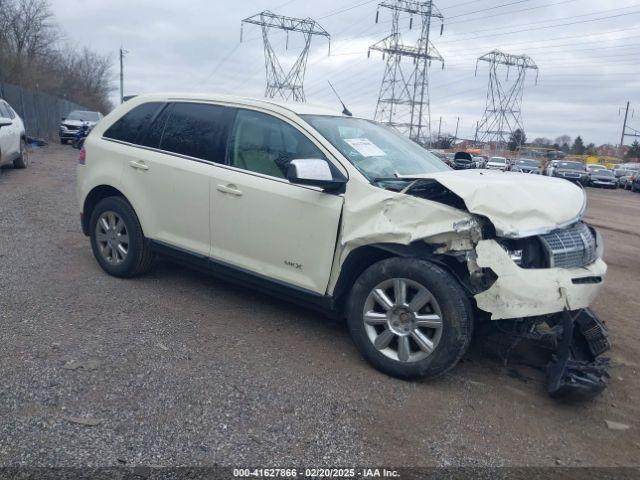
(230, 189)
(138, 166)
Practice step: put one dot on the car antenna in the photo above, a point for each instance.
(345, 110)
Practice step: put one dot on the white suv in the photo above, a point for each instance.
(13, 140)
(338, 213)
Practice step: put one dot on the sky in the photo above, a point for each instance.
(587, 51)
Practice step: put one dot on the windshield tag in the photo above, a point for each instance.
(365, 147)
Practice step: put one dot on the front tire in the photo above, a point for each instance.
(409, 318)
(117, 239)
(23, 160)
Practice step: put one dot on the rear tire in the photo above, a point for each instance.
(409, 338)
(23, 160)
(117, 240)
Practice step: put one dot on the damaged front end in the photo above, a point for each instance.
(521, 252)
(577, 369)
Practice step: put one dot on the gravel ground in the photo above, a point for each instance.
(178, 368)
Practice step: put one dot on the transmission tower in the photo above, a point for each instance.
(403, 101)
(503, 113)
(288, 86)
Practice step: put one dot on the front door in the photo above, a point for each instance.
(263, 223)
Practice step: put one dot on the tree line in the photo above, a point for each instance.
(34, 54)
(565, 144)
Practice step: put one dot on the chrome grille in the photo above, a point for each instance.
(573, 247)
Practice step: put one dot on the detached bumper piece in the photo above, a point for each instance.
(577, 371)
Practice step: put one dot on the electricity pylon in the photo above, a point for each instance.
(290, 85)
(403, 101)
(503, 112)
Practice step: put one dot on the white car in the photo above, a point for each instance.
(13, 140)
(497, 163)
(338, 213)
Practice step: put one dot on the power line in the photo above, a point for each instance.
(511, 12)
(337, 12)
(580, 22)
(488, 9)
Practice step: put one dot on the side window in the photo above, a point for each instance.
(129, 127)
(4, 111)
(197, 130)
(10, 113)
(264, 144)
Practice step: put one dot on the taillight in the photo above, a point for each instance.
(83, 156)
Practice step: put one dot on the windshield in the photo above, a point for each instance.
(571, 166)
(84, 116)
(378, 152)
(529, 163)
(603, 173)
(498, 160)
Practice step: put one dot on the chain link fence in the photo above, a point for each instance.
(40, 112)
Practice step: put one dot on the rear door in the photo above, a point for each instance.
(169, 178)
(263, 223)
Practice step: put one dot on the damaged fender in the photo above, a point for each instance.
(384, 217)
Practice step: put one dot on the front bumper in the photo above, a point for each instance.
(572, 177)
(604, 183)
(522, 293)
(66, 134)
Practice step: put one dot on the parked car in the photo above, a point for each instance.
(601, 177)
(573, 171)
(479, 162)
(635, 183)
(627, 180)
(497, 163)
(594, 167)
(13, 138)
(338, 213)
(463, 161)
(551, 168)
(75, 121)
(525, 165)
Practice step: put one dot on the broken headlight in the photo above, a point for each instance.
(526, 252)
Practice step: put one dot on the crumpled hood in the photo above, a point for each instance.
(518, 204)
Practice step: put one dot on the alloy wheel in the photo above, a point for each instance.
(403, 320)
(112, 238)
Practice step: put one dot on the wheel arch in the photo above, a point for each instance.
(97, 194)
(363, 257)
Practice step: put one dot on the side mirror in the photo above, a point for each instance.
(316, 173)
(5, 122)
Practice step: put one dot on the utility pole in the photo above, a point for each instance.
(403, 101)
(455, 138)
(439, 129)
(624, 128)
(290, 85)
(123, 52)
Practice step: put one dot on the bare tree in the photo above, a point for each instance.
(33, 55)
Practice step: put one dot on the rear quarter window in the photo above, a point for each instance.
(133, 123)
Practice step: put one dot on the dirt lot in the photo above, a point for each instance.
(178, 368)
